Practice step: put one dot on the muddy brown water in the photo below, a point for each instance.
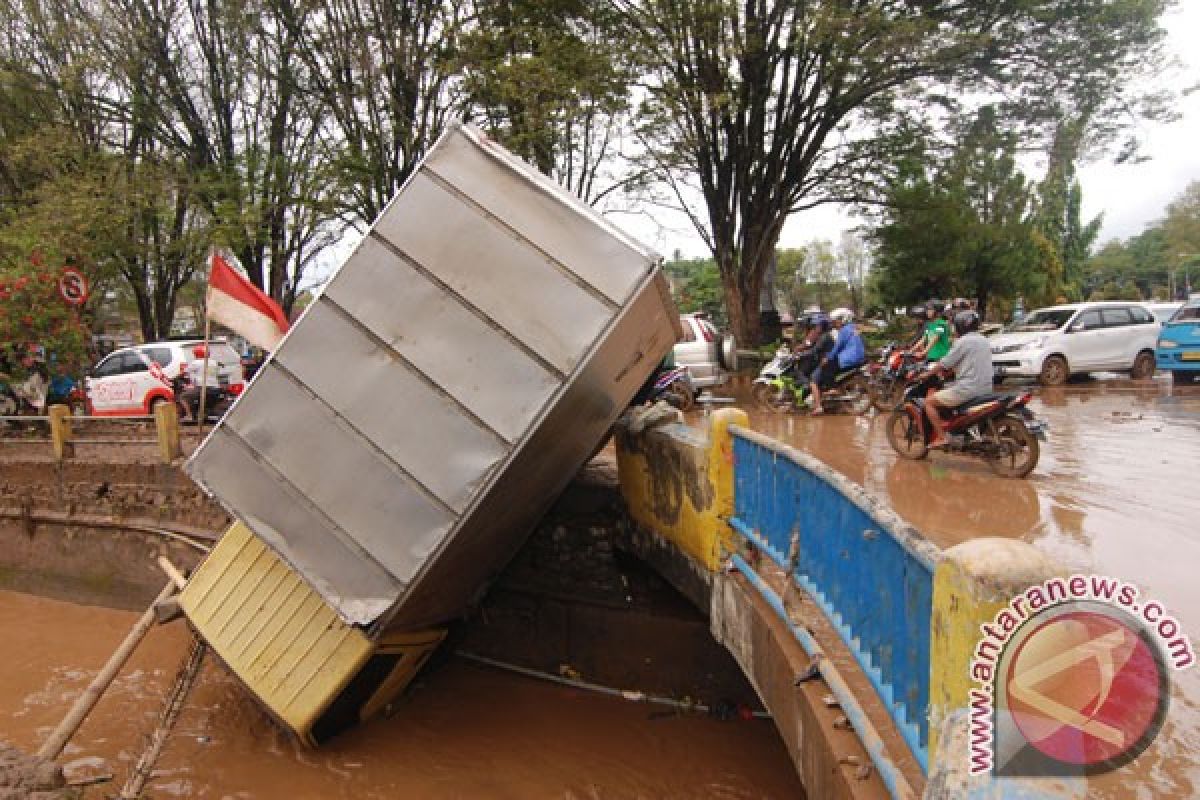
(464, 732)
(1117, 492)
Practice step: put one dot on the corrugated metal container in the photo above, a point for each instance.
(454, 375)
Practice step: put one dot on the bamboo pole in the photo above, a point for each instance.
(185, 678)
(53, 746)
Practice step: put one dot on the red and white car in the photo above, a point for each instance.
(133, 380)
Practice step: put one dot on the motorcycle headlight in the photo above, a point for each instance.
(1168, 343)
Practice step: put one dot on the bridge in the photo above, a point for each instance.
(842, 616)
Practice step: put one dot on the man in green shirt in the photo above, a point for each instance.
(935, 341)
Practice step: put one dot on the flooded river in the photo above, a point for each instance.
(464, 732)
(1116, 492)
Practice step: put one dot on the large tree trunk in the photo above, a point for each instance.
(742, 284)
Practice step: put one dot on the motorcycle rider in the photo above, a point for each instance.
(848, 352)
(935, 339)
(971, 360)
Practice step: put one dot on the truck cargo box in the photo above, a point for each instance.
(430, 404)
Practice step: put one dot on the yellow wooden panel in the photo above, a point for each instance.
(269, 626)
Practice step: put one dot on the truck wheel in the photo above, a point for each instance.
(1054, 371)
(1143, 366)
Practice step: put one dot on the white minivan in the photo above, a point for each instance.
(132, 380)
(1052, 344)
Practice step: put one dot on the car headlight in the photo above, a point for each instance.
(1167, 343)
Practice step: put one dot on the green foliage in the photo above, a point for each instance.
(697, 287)
(1154, 264)
(963, 227)
(1063, 239)
(550, 79)
(32, 316)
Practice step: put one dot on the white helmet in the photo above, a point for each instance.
(842, 315)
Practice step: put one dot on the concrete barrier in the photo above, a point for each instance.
(973, 581)
(678, 483)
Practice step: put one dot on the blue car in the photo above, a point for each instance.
(1178, 349)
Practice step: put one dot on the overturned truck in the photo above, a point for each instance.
(397, 448)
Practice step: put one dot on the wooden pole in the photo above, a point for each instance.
(53, 746)
(185, 678)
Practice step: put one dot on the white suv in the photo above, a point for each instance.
(126, 383)
(709, 356)
(1052, 344)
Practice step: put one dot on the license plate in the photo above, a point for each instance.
(1193, 355)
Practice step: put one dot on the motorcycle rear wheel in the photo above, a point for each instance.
(906, 436)
(1018, 448)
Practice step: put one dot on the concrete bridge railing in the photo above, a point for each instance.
(910, 613)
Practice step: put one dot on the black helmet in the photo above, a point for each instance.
(966, 322)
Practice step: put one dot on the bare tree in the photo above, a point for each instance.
(383, 70)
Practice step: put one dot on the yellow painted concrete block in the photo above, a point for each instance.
(972, 582)
(679, 484)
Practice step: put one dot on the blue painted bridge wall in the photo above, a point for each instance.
(870, 573)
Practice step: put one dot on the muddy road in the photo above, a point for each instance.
(1117, 492)
(465, 732)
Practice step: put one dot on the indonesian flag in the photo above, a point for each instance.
(241, 306)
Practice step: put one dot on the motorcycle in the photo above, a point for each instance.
(895, 368)
(999, 428)
(675, 386)
(217, 400)
(789, 390)
(762, 389)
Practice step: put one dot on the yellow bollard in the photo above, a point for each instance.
(972, 582)
(60, 431)
(166, 423)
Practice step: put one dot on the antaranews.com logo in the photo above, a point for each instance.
(1073, 679)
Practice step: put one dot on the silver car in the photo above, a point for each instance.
(709, 356)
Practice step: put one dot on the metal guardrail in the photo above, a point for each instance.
(871, 573)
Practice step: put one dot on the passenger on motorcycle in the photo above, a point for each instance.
(935, 341)
(848, 352)
(810, 349)
(971, 360)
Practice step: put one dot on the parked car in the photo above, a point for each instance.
(709, 356)
(1052, 344)
(1178, 349)
(133, 380)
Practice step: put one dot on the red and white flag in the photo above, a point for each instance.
(241, 306)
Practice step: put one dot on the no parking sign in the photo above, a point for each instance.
(73, 287)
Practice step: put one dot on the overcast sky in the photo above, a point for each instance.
(1129, 196)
